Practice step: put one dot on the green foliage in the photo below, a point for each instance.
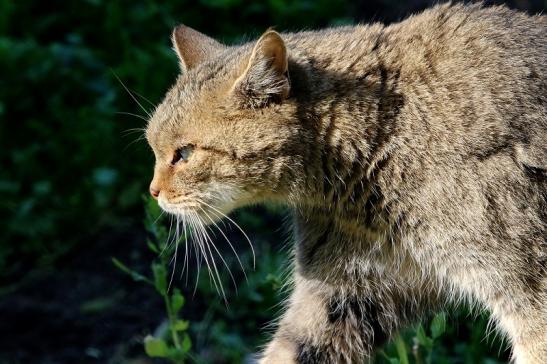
(229, 329)
(438, 325)
(415, 346)
(435, 342)
(174, 343)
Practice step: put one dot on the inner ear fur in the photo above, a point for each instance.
(265, 78)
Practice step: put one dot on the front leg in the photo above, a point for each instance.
(303, 331)
(326, 324)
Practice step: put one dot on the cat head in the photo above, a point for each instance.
(226, 134)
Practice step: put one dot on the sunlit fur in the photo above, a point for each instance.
(413, 157)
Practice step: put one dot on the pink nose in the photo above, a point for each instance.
(154, 192)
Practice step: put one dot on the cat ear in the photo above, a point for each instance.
(265, 79)
(193, 47)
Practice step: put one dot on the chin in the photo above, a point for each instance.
(207, 213)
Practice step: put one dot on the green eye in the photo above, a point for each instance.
(182, 154)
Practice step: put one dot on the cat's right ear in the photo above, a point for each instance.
(193, 47)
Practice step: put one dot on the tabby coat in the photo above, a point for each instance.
(413, 157)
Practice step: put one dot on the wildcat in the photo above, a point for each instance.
(412, 155)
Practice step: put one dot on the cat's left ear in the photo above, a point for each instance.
(265, 78)
(193, 47)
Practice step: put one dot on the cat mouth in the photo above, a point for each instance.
(206, 213)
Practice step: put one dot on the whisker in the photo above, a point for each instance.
(141, 138)
(131, 94)
(220, 255)
(175, 238)
(186, 257)
(229, 243)
(208, 244)
(168, 242)
(237, 226)
(129, 132)
(175, 256)
(201, 243)
(145, 99)
(159, 217)
(132, 114)
(197, 252)
(213, 262)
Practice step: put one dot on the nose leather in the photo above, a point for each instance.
(154, 192)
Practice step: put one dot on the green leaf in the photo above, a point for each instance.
(401, 350)
(135, 275)
(177, 301)
(160, 278)
(176, 355)
(181, 325)
(390, 360)
(422, 338)
(122, 267)
(155, 347)
(438, 325)
(152, 247)
(99, 304)
(186, 343)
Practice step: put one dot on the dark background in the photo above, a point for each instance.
(73, 176)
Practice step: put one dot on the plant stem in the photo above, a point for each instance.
(172, 321)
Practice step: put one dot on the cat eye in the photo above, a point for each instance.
(182, 154)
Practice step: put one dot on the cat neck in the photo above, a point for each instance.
(355, 118)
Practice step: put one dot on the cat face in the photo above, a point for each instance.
(224, 135)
